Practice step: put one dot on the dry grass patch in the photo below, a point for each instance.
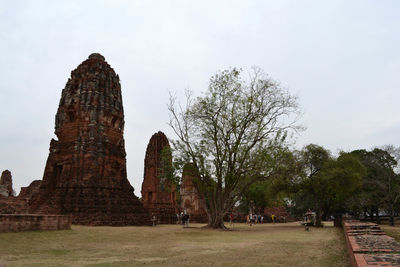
(171, 245)
(393, 231)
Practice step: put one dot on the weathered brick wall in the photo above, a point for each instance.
(13, 205)
(30, 222)
(368, 245)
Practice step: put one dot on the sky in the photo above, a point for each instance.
(341, 58)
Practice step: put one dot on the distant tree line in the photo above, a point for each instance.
(365, 184)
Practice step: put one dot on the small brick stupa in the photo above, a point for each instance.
(190, 199)
(158, 193)
(85, 174)
(6, 189)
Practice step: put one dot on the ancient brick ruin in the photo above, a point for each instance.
(190, 200)
(28, 191)
(158, 193)
(9, 204)
(31, 222)
(85, 174)
(6, 189)
(368, 245)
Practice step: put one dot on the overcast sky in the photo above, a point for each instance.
(342, 59)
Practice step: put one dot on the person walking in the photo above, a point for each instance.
(231, 219)
(184, 220)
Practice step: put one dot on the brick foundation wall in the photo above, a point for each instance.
(30, 222)
(368, 245)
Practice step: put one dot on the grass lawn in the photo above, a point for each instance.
(393, 231)
(171, 245)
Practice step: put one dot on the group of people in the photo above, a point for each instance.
(254, 218)
(182, 218)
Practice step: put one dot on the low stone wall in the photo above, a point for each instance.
(368, 245)
(30, 222)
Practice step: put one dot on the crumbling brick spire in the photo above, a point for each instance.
(158, 193)
(85, 173)
(6, 188)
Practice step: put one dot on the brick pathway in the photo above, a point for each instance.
(369, 246)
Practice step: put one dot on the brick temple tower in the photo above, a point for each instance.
(190, 199)
(85, 174)
(158, 193)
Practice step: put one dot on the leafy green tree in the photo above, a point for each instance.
(393, 183)
(258, 195)
(328, 181)
(345, 175)
(279, 189)
(369, 198)
(234, 134)
(381, 185)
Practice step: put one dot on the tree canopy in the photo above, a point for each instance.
(381, 184)
(234, 135)
(320, 181)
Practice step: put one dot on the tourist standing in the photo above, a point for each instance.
(183, 219)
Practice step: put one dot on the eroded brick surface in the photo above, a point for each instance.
(377, 243)
(13, 205)
(85, 174)
(30, 222)
(31, 190)
(369, 246)
(190, 198)
(382, 259)
(9, 204)
(6, 189)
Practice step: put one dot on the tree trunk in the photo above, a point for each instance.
(318, 214)
(324, 214)
(391, 215)
(318, 222)
(217, 221)
(378, 218)
(371, 215)
(325, 211)
(215, 214)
